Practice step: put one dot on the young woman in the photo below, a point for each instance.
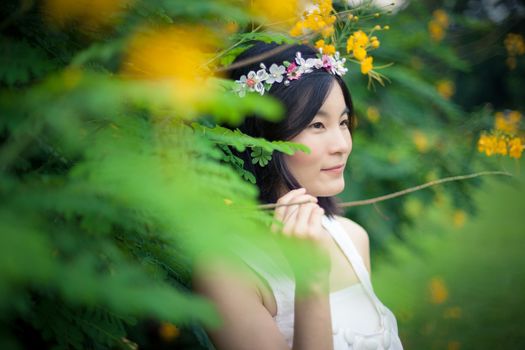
(334, 306)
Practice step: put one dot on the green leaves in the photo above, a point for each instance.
(260, 156)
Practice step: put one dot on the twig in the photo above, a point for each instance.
(420, 187)
(399, 193)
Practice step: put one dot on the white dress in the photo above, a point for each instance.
(359, 320)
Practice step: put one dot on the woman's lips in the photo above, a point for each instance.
(335, 170)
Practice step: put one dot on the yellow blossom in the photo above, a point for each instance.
(437, 33)
(231, 27)
(361, 38)
(175, 56)
(327, 48)
(359, 53)
(318, 19)
(441, 17)
(375, 43)
(366, 65)
(89, 14)
(372, 114)
(459, 218)
(421, 141)
(168, 331)
(452, 312)
(487, 144)
(508, 124)
(445, 88)
(501, 146)
(514, 44)
(438, 290)
(516, 147)
(280, 13)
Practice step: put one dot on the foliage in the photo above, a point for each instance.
(115, 176)
(456, 284)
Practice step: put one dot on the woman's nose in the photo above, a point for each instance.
(341, 141)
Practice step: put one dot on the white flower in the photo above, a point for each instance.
(338, 66)
(240, 86)
(302, 65)
(276, 74)
(314, 63)
(259, 78)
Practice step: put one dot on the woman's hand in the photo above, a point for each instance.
(303, 221)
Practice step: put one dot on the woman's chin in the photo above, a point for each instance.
(325, 190)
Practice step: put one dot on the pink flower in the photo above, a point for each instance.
(293, 72)
(328, 63)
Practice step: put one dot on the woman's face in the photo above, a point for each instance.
(330, 142)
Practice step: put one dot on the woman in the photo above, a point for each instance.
(334, 306)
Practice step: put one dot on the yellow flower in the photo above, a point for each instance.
(280, 13)
(437, 33)
(514, 117)
(231, 27)
(174, 55)
(366, 65)
(445, 88)
(501, 146)
(375, 43)
(438, 290)
(327, 31)
(487, 144)
(318, 19)
(168, 331)
(359, 53)
(514, 44)
(89, 14)
(508, 124)
(421, 141)
(441, 18)
(453, 312)
(372, 114)
(516, 148)
(459, 218)
(361, 38)
(327, 48)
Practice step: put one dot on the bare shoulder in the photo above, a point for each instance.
(359, 237)
(232, 288)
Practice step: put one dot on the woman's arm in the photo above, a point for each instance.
(247, 323)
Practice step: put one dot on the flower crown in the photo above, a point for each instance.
(263, 79)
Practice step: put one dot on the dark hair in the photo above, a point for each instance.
(301, 100)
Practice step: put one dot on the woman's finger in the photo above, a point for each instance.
(304, 199)
(316, 223)
(280, 212)
(302, 220)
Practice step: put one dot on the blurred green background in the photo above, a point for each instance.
(114, 174)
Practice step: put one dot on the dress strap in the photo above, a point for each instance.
(342, 239)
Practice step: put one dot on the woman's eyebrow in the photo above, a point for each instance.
(322, 113)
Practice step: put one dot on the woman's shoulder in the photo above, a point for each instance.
(359, 237)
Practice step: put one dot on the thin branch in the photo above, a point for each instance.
(399, 193)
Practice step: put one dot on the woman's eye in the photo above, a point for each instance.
(346, 122)
(317, 125)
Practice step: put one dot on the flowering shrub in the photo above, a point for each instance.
(504, 139)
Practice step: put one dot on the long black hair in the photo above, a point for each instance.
(301, 100)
